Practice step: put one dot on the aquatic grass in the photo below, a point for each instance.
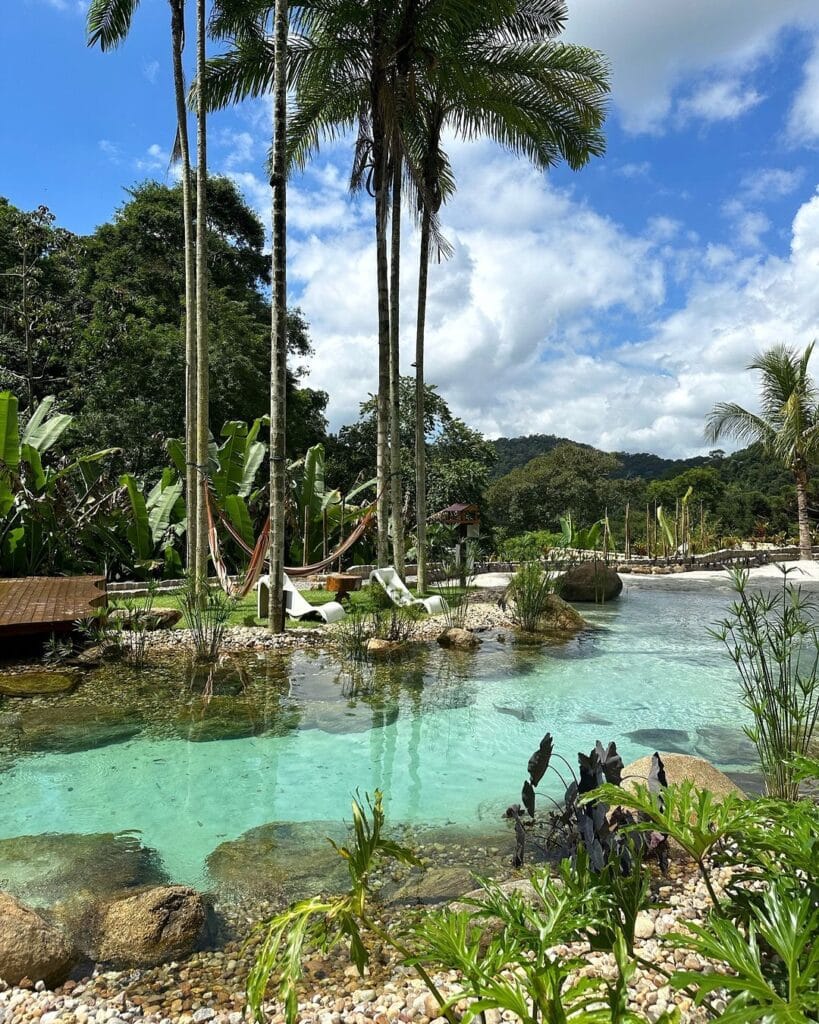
(528, 594)
(772, 640)
(454, 588)
(206, 612)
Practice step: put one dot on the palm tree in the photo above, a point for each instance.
(202, 361)
(513, 84)
(787, 426)
(278, 341)
(108, 24)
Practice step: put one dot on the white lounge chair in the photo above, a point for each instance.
(296, 606)
(398, 592)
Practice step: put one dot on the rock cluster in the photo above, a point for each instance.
(209, 987)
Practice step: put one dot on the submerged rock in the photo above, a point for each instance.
(591, 581)
(38, 684)
(46, 868)
(293, 859)
(70, 728)
(463, 639)
(436, 885)
(726, 745)
(30, 947)
(380, 647)
(674, 740)
(150, 928)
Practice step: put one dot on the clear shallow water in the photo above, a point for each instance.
(445, 736)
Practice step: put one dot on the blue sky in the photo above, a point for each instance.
(613, 306)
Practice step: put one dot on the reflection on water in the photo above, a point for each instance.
(212, 768)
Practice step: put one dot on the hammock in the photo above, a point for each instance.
(258, 553)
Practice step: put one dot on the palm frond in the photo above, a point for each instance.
(109, 21)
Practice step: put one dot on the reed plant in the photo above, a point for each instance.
(527, 595)
(455, 587)
(206, 612)
(772, 640)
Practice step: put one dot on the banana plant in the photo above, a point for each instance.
(47, 512)
(233, 467)
(676, 530)
(317, 513)
(157, 521)
(586, 539)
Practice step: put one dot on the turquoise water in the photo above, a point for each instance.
(445, 736)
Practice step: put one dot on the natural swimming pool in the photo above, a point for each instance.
(289, 738)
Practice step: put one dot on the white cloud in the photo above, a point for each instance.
(634, 170)
(771, 183)
(723, 100)
(150, 70)
(550, 317)
(803, 120)
(110, 149)
(655, 47)
(749, 225)
(155, 159)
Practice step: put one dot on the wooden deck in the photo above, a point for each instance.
(47, 604)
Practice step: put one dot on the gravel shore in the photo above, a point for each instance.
(209, 986)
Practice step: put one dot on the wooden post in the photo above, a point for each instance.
(627, 536)
(648, 532)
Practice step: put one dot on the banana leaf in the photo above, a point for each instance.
(237, 513)
(9, 449)
(162, 504)
(31, 457)
(139, 529)
(42, 430)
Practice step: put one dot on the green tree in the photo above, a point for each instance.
(128, 357)
(787, 425)
(40, 305)
(570, 478)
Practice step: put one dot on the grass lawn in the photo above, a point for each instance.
(244, 612)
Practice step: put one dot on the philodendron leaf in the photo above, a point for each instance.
(528, 797)
(539, 761)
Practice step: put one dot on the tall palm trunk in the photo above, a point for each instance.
(278, 336)
(202, 396)
(805, 543)
(382, 402)
(396, 488)
(420, 432)
(191, 489)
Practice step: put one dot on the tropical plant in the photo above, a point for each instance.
(771, 637)
(787, 425)
(528, 594)
(108, 24)
(763, 924)
(328, 921)
(582, 823)
(49, 515)
(157, 520)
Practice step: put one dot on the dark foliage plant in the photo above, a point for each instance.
(582, 820)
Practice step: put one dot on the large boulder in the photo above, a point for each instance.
(590, 581)
(150, 928)
(560, 617)
(683, 768)
(30, 947)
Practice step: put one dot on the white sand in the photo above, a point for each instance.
(803, 572)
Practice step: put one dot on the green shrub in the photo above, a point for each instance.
(525, 547)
